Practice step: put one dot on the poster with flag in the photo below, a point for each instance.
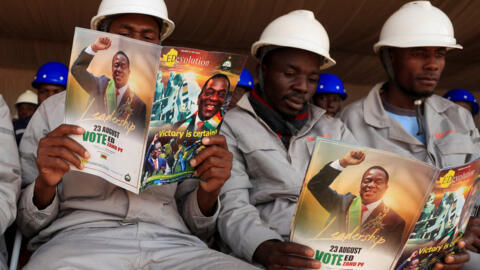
(191, 96)
(359, 206)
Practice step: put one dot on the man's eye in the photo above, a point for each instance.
(148, 37)
(289, 74)
(313, 79)
(208, 93)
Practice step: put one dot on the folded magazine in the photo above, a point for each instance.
(145, 107)
(362, 208)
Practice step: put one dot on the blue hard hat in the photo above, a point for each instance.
(462, 95)
(246, 79)
(329, 83)
(51, 73)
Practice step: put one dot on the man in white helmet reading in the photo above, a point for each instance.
(403, 115)
(80, 221)
(271, 133)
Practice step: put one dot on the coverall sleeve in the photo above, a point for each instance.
(200, 225)
(9, 169)
(79, 71)
(239, 222)
(29, 218)
(319, 186)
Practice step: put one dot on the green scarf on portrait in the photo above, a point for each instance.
(111, 96)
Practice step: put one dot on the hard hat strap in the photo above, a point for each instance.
(263, 52)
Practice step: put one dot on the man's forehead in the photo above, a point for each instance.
(49, 86)
(292, 57)
(375, 171)
(119, 58)
(137, 22)
(421, 49)
(218, 82)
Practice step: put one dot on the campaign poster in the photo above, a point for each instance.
(443, 219)
(357, 216)
(110, 89)
(191, 97)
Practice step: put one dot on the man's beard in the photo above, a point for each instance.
(416, 95)
(412, 93)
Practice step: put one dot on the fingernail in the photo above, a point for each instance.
(193, 162)
(205, 140)
(449, 259)
(310, 253)
(81, 130)
(86, 154)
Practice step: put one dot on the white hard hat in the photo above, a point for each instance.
(297, 29)
(27, 97)
(417, 24)
(155, 8)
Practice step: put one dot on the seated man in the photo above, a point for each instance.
(272, 133)
(82, 221)
(330, 94)
(403, 115)
(9, 177)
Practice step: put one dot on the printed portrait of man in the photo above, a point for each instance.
(210, 101)
(110, 95)
(154, 162)
(366, 213)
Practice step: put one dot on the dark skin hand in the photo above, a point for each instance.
(54, 154)
(452, 262)
(470, 241)
(57, 151)
(213, 165)
(275, 255)
(472, 234)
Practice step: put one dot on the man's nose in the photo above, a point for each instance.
(432, 63)
(301, 83)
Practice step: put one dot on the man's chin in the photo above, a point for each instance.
(206, 116)
(418, 93)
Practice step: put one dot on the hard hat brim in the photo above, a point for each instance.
(167, 27)
(298, 45)
(399, 43)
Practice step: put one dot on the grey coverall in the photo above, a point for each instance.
(92, 224)
(451, 135)
(9, 177)
(259, 199)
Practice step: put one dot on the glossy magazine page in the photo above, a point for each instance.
(192, 94)
(443, 219)
(358, 205)
(110, 90)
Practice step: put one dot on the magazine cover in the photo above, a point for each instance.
(109, 93)
(358, 205)
(191, 96)
(443, 219)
